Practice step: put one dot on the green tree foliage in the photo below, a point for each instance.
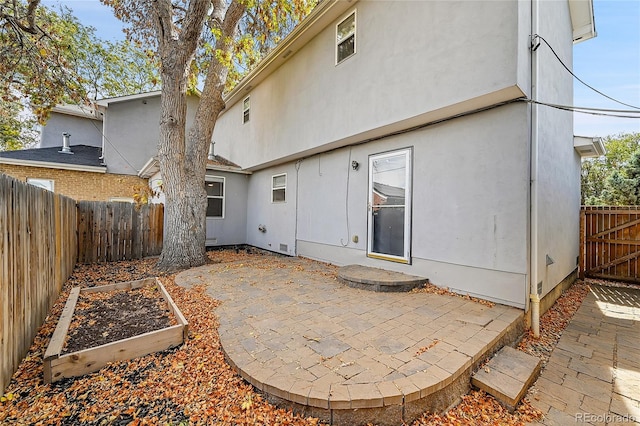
(48, 58)
(613, 179)
(17, 128)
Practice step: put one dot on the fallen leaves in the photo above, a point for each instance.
(191, 384)
(554, 321)
(479, 408)
(426, 348)
(444, 291)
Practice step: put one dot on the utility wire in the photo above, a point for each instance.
(578, 78)
(590, 111)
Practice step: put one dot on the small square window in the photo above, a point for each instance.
(215, 196)
(279, 188)
(346, 38)
(246, 106)
(41, 183)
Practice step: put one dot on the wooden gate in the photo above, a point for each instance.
(610, 242)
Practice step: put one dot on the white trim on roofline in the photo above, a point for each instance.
(78, 111)
(151, 167)
(50, 165)
(106, 101)
(583, 22)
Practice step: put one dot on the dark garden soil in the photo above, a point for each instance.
(105, 317)
(193, 384)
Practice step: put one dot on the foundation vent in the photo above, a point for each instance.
(284, 247)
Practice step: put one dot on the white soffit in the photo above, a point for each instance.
(588, 147)
(582, 20)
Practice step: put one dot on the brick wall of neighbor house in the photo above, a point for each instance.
(81, 186)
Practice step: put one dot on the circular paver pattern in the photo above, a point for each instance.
(294, 332)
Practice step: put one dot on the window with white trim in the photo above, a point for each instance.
(41, 183)
(246, 106)
(279, 188)
(122, 199)
(214, 186)
(346, 38)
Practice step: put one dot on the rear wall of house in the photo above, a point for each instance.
(232, 228)
(85, 186)
(84, 131)
(469, 224)
(559, 170)
(414, 61)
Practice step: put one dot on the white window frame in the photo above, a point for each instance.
(354, 35)
(223, 196)
(274, 188)
(408, 157)
(48, 184)
(246, 109)
(121, 199)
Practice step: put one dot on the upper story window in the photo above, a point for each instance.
(41, 183)
(346, 38)
(246, 104)
(279, 188)
(215, 196)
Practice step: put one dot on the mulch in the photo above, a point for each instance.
(193, 384)
(105, 317)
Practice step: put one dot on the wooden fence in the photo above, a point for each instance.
(109, 232)
(610, 242)
(38, 248)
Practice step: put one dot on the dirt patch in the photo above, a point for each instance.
(106, 317)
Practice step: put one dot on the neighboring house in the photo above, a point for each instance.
(398, 135)
(226, 185)
(109, 143)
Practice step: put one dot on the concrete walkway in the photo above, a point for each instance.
(345, 355)
(593, 375)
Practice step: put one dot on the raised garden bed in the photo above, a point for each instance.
(96, 331)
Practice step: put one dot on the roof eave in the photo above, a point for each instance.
(582, 20)
(52, 165)
(322, 15)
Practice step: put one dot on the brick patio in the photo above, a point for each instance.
(345, 355)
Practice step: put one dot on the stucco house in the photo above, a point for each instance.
(409, 136)
(94, 152)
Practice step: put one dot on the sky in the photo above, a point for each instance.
(609, 62)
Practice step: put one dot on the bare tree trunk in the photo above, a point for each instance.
(183, 160)
(182, 173)
(183, 178)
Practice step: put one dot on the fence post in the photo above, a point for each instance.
(583, 243)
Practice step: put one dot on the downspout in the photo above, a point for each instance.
(534, 290)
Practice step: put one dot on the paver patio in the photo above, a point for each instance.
(593, 375)
(347, 355)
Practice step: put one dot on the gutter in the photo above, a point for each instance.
(534, 288)
(50, 165)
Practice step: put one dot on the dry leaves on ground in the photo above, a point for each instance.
(189, 384)
(193, 383)
(444, 291)
(480, 408)
(554, 321)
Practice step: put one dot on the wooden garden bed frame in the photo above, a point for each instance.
(58, 366)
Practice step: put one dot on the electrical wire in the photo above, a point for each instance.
(591, 111)
(578, 78)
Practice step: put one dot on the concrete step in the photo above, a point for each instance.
(508, 375)
(376, 279)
